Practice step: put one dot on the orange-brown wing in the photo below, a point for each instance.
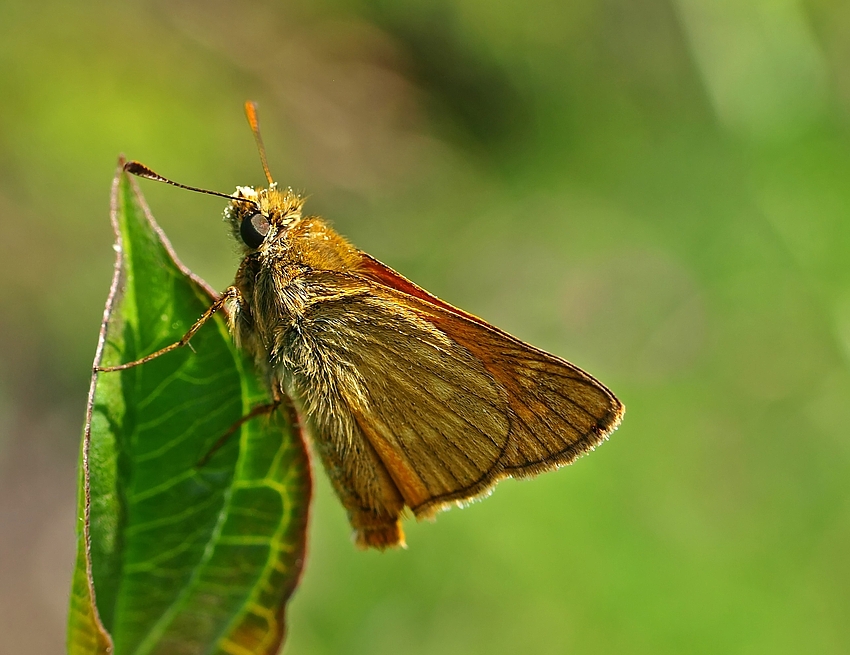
(558, 411)
(449, 403)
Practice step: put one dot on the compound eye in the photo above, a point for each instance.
(254, 229)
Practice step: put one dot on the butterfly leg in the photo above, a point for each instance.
(230, 294)
(257, 410)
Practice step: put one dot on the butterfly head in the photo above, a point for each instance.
(259, 216)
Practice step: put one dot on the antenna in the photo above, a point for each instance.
(254, 122)
(141, 170)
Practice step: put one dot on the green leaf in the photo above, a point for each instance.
(173, 557)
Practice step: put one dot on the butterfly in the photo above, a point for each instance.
(411, 403)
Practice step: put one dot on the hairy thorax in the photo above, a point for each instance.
(274, 299)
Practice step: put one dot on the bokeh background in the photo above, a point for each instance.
(655, 189)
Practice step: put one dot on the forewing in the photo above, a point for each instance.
(557, 411)
(450, 403)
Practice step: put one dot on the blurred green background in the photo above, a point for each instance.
(656, 190)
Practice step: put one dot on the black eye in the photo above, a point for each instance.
(254, 229)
